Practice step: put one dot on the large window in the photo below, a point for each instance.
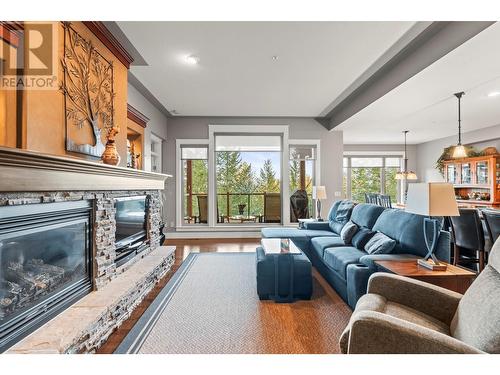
(248, 178)
(302, 170)
(377, 174)
(194, 184)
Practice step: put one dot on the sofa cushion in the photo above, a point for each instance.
(319, 244)
(365, 215)
(348, 231)
(380, 244)
(338, 258)
(342, 216)
(300, 237)
(294, 233)
(361, 237)
(405, 228)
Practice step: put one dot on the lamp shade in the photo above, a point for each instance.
(459, 152)
(406, 175)
(432, 199)
(319, 192)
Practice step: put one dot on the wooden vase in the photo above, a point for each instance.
(110, 154)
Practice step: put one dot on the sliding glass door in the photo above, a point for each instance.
(248, 178)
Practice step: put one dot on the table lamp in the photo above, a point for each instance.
(431, 199)
(318, 193)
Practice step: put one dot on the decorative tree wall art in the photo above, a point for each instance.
(88, 94)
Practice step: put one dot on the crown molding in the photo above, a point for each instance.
(136, 116)
(108, 39)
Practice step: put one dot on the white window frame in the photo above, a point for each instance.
(179, 217)
(374, 154)
(317, 163)
(213, 130)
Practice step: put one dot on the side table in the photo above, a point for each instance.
(453, 278)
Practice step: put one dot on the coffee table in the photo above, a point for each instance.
(453, 278)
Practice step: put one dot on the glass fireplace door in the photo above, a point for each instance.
(44, 264)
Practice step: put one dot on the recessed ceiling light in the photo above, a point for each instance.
(275, 57)
(494, 93)
(192, 59)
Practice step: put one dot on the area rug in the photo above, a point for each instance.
(211, 306)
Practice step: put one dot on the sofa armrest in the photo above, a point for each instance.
(318, 225)
(377, 333)
(432, 300)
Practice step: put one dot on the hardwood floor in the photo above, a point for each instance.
(183, 248)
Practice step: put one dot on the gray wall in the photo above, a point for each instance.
(157, 124)
(429, 152)
(299, 128)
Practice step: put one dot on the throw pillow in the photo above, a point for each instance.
(342, 216)
(348, 231)
(380, 244)
(362, 236)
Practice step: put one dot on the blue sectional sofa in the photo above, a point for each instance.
(348, 267)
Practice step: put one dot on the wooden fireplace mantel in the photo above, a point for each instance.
(26, 171)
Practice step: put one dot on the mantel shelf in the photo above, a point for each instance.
(22, 170)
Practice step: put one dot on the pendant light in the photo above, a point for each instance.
(459, 150)
(405, 174)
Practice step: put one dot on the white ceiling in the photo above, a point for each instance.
(425, 104)
(236, 75)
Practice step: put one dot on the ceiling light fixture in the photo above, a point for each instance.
(493, 94)
(192, 59)
(275, 57)
(459, 151)
(405, 174)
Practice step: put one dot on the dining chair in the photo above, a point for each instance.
(371, 198)
(468, 238)
(492, 221)
(384, 201)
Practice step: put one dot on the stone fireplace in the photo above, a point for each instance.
(57, 246)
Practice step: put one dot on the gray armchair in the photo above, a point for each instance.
(402, 315)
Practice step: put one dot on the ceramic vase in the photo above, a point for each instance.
(110, 154)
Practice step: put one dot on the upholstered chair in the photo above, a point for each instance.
(402, 315)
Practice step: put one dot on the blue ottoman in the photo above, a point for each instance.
(283, 277)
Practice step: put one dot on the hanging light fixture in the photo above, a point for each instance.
(405, 174)
(459, 151)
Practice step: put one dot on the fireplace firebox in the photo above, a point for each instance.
(45, 263)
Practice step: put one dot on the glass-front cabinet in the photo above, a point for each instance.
(466, 174)
(476, 179)
(451, 173)
(482, 171)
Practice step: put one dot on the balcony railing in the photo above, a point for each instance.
(236, 208)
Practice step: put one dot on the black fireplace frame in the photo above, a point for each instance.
(32, 216)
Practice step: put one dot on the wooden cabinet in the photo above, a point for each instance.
(476, 179)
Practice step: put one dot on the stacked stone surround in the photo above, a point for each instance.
(102, 320)
(104, 268)
(86, 325)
